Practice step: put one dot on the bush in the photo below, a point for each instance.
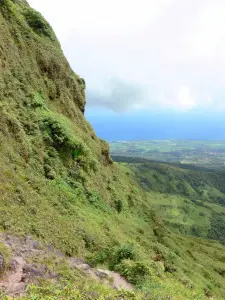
(217, 230)
(38, 23)
(170, 268)
(4, 252)
(37, 100)
(94, 198)
(97, 201)
(99, 258)
(120, 253)
(81, 81)
(118, 204)
(57, 133)
(57, 129)
(135, 272)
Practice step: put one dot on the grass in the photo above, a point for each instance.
(59, 184)
(5, 253)
(189, 200)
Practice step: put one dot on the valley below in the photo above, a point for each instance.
(205, 153)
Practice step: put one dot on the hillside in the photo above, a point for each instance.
(190, 199)
(59, 185)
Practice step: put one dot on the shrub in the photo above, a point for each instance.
(135, 272)
(38, 23)
(81, 81)
(118, 204)
(37, 100)
(57, 133)
(120, 253)
(170, 268)
(4, 252)
(49, 172)
(99, 258)
(97, 201)
(202, 214)
(94, 197)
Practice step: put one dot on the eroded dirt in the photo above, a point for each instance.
(22, 272)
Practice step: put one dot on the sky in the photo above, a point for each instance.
(144, 56)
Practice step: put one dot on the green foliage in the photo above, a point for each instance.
(97, 201)
(113, 256)
(188, 194)
(217, 230)
(58, 134)
(95, 198)
(82, 82)
(120, 253)
(99, 258)
(118, 205)
(38, 23)
(4, 251)
(135, 272)
(80, 290)
(37, 101)
(44, 136)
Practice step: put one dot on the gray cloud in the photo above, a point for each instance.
(117, 95)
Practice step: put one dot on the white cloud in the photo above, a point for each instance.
(171, 51)
(185, 98)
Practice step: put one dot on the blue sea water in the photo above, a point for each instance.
(158, 125)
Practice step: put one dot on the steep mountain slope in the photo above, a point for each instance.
(45, 139)
(59, 184)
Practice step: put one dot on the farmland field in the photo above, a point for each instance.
(197, 152)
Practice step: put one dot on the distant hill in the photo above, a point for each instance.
(195, 196)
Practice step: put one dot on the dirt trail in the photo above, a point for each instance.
(21, 273)
(12, 283)
(107, 277)
(118, 281)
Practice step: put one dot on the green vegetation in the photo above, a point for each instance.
(189, 199)
(59, 184)
(4, 252)
(210, 154)
(85, 289)
(38, 23)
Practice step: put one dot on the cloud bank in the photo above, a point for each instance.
(117, 95)
(167, 54)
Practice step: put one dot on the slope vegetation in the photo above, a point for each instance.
(189, 199)
(59, 184)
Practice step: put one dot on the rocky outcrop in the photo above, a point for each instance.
(22, 271)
